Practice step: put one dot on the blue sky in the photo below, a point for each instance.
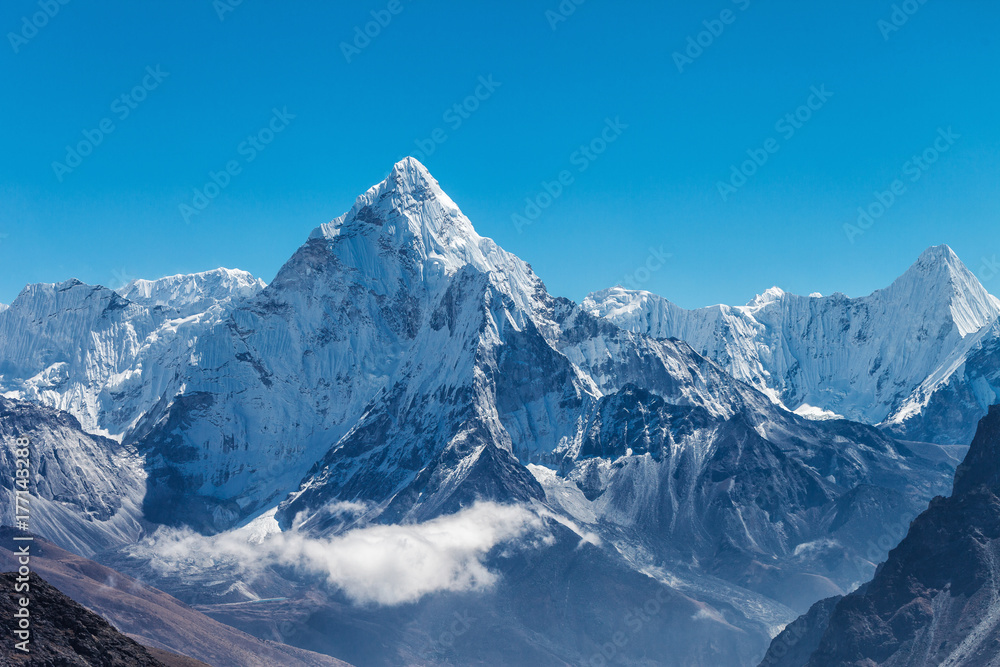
(889, 92)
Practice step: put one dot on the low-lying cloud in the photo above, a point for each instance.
(385, 565)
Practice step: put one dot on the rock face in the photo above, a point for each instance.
(64, 634)
(104, 358)
(800, 638)
(918, 356)
(936, 600)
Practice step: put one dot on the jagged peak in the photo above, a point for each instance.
(408, 219)
(940, 252)
(938, 275)
(72, 294)
(620, 292)
(410, 174)
(938, 262)
(409, 189)
(64, 285)
(940, 278)
(769, 295)
(617, 301)
(34, 289)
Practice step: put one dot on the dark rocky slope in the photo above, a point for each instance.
(63, 633)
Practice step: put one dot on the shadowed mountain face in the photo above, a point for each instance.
(63, 634)
(936, 600)
(86, 490)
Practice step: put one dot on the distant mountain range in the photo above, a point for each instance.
(402, 378)
(918, 357)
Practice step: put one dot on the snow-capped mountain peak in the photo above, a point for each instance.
(407, 219)
(770, 295)
(939, 279)
(409, 202)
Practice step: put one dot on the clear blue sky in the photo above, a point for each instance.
(116, 215)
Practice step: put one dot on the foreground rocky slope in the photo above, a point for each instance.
(86, 491)
(64, 633)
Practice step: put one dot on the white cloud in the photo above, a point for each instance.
(386, 565)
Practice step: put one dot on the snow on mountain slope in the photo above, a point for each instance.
(398, 359)
(862, 358)
(436, 438)
(85, 491)
(290, 371)
(187, 295)
(75, 347)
